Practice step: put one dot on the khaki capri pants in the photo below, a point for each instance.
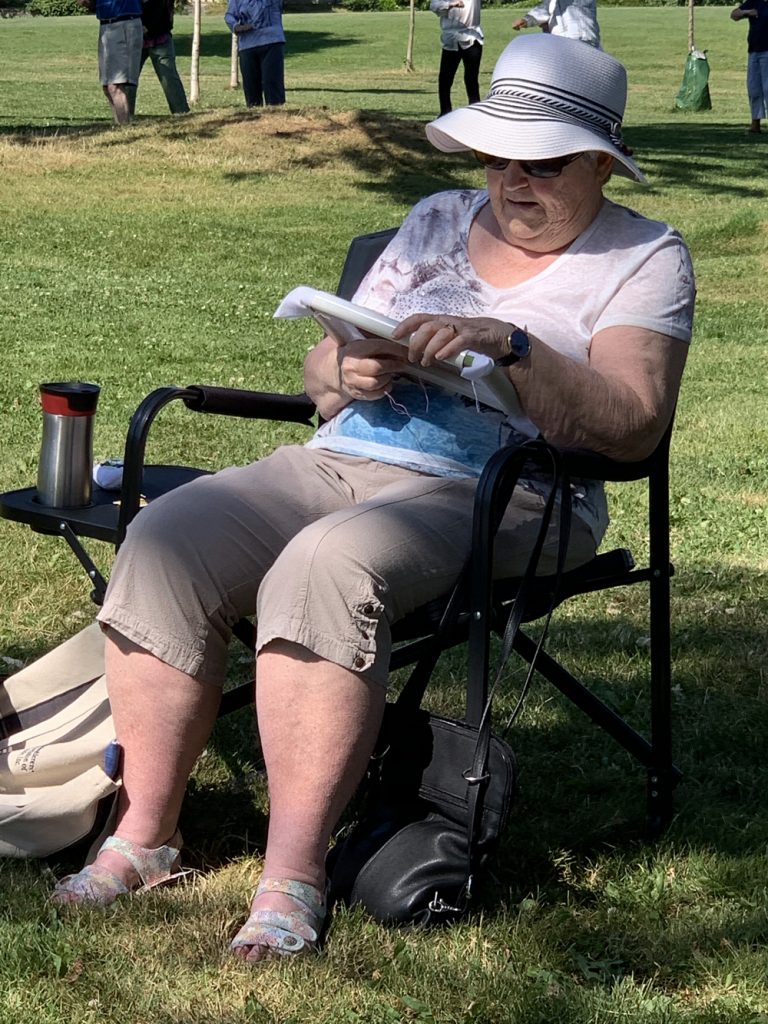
(327, 550)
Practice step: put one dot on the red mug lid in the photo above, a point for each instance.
(69, 398)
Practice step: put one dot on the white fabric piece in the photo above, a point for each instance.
(58, 755)
(459, 26)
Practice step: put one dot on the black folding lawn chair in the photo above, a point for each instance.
(414, 635)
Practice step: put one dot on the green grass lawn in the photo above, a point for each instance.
(156, 254)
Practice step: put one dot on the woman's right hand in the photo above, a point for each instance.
(336, 374)
(368, 367)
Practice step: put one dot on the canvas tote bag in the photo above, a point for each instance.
(58, 756)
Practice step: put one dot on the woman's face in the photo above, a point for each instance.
(546, 214)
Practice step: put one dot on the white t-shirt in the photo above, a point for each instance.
(622, 270)
(576, 19)
(459, 26)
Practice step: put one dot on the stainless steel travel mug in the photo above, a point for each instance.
(66, 452)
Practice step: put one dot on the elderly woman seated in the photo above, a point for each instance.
(585, 304)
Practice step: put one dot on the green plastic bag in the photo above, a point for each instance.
(694, 92)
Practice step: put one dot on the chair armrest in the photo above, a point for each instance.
(494, 491)
(262, 405)
(590, 466)
(198, 398)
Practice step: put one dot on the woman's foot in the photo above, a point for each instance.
(121, 867)
(286, 919)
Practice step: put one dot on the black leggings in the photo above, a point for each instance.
(449, 65)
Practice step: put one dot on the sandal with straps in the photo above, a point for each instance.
(98, 886)
(289, 933)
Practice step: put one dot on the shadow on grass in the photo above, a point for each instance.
(399, 162)
(396, 160)
(222, 821)
(217, 42)
(581, 792)
(581, 798)
(28, 134)
(700, 157)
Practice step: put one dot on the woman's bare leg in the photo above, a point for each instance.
(163, 719)
(318, 724)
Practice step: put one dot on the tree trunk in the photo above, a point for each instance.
(690, 26)
(194, 76)
(411, 34)
(234, 80)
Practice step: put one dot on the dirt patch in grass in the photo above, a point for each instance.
(270, 140)
(220, 158)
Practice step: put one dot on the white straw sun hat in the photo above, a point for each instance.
(550, 96)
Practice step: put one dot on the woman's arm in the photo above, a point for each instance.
(337, 374)
(619, 403)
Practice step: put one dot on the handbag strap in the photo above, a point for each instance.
(477, 776)
(477, 576)
(410, 697)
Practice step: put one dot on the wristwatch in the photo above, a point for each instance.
(519, 345)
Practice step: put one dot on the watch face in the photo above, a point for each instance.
(520, 343)
(519, 347)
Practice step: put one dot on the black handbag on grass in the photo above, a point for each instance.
(428, 827)
(439, 791)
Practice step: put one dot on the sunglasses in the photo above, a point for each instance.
(533, 168)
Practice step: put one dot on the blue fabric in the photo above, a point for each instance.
(757, 84)
(266, 17)
(421, 427)
(106, 9)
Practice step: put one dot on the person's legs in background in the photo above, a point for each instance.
(757, 87)
(449, 63)
(120, 53)
(250, 70)
(471, 57)
(119, 101)
(164, 62)
(273, 74)
(133, 89)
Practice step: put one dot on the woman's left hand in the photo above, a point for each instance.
(440, 337)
